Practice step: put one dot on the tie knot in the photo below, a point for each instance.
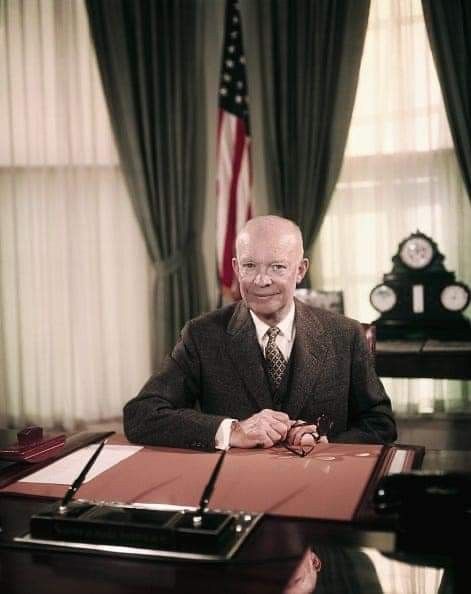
(273, 332)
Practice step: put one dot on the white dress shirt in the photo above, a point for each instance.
(284, 342)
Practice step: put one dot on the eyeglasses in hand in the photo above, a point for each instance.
(324, 425)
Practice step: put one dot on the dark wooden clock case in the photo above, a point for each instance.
(435, 322)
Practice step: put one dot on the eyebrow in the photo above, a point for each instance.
(254, 261)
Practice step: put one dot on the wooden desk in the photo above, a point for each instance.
(429, 358)
(264, 565)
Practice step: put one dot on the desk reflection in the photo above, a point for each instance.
(332, 570)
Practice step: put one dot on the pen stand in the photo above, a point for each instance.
(141, 531)
(203, 532)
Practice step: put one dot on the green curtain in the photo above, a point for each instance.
(151, 62)
(303, 60)
(448, 25)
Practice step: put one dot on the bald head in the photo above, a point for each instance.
(273, 229)
(269, 264)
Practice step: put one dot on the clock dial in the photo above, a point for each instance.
(383, 298)
(455, 297)
(416, 253)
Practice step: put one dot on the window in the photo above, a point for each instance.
(399, 174)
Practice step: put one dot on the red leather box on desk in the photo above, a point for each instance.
(31, 445)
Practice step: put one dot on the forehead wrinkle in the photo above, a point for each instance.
(280, 249)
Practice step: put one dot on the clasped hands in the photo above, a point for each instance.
(269, 427)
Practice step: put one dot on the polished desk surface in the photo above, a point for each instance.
(265, 564)
(424, 358)
(270, 480)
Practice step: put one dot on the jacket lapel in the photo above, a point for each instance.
(244, 350)
(309, 351)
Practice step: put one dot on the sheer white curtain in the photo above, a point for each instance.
(399, 174)
(75, 277)
(396, 576)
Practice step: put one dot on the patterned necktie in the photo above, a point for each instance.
(276, 363)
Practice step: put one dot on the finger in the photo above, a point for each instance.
(311, 435)
(274, 435)
(276, 414)
(307, 439)
(298, 436)
(299, 423)
(280, 428)
(264, 434)
(265, 431)
(308, 430)
(296, 433)
(294, 437)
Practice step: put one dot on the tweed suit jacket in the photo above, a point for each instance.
(216, 371)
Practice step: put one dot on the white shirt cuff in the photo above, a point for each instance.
(223, 435)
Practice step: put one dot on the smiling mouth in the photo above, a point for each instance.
(264, 296)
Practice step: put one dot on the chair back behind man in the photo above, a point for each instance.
(370, 333)
(333, 301)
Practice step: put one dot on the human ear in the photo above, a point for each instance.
(235, 267)
(302, 269)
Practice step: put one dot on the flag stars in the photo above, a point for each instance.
(232, 91)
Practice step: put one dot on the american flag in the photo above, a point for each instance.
(234, 164)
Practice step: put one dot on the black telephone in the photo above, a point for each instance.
(423, 489)
(429, 507)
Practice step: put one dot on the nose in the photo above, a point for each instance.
(262, 279)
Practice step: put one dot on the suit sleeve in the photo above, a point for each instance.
(371, 419)
(164, 413)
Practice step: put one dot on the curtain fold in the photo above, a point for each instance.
(151, 63)
(449, 28)
(303, 60)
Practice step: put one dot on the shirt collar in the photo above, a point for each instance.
(285, 326)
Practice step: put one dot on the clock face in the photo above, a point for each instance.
(455, 297)
(383, 298)
(416, 253)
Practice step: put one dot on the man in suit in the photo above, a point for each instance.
(261, 371)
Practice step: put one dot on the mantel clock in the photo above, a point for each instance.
(419, 298)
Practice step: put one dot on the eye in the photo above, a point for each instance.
(278, 267)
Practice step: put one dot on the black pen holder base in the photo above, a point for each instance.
(142, 531)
